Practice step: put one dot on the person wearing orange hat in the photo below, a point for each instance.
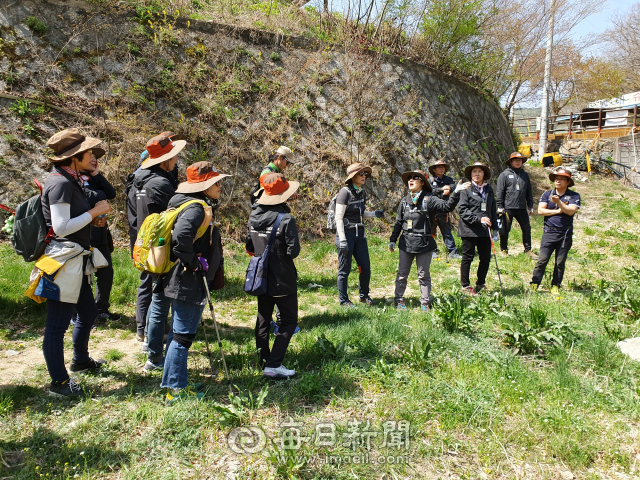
(558, 206)
(515, 200)
(442, 186)
(278, 162)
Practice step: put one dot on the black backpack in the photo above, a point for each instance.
(30, 233)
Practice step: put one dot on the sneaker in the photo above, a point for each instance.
(425, 307)
(400, 305)
(113, 317)
(90, 364)
(455, 256)
(534, 287)
(479, 288)
(531, 255)
(150, 366)
(555, 290)
(69, 388)
(504, 253)
(469, 290)
(181, 394)
(435, 255)
(140, 338)
(276, 328)
(348, 304)
(367, 300)
(280, 372)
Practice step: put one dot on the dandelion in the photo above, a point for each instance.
(81, 453)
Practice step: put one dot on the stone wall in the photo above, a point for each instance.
(237, 94)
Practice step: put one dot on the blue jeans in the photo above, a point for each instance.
(444, 223)
(359, 250)
(58, 319)
(156, 319)
(186, 317)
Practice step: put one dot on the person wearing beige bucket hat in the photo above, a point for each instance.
(271, 212)
(413, 227)
(69, 215)
(558, 206)
(351, 241)
(442, 186)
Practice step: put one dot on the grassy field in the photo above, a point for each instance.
(564, 406)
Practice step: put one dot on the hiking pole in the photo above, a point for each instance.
(215, 324)
(495, 257)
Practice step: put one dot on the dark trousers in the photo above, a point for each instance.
(359, 250)
(104, 281)
(559, 242)
(443, 222)
(145, 292)
(469, 245)
(58, 319)
(288, 306)
(522, 216)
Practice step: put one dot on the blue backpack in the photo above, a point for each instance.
(256, 280)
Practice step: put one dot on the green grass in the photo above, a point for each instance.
(475, 408)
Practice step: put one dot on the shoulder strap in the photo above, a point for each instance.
(189, 203)
(274, 229)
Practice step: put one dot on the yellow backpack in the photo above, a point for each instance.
(152, 249)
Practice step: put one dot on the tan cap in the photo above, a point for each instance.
(286, 153)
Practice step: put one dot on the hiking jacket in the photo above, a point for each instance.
(96, 189)
(282, 274)
(182, 282)
(412, 220)
(437, 186)
(152, 189)
(509, 196)
(470, 211)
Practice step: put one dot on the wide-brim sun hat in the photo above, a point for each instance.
(562, 172)
(200, 176)
(70, 143)
(439, 163)
(487, 171)
(406, 176)
(355, 168)
(515, 155)
(161, 148)
(276, 189)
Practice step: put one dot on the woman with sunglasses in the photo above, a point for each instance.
(412, 221)
(350, 236)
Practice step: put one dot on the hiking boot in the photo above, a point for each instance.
(150, 365)
(555, 290)
(435, 255)
(367, 300)
(279, 372)
(469, 290)
(479, 288)
(139, 338)
(69, 388)
(112, 317)
(455, 256)
(181, 394)
(424, 307)
(531, 255)
(90, 364)
(504, 253)
(348, 304)
(400, 305)
(534, 287)
(276, 328)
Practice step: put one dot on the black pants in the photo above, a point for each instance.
(358, 249)
(469, 245)
(288, 306)
(559, 242)
(145, 292)
(104, 280)
(522, 216)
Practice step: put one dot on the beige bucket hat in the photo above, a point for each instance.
(355, 168)
(439, 163)
(406, 176)
(487, 171)
(70, 142)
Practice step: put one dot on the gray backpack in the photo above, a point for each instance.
(331, 211)
(30, 233)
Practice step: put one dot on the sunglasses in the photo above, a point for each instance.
(416, 177)
(364, 174)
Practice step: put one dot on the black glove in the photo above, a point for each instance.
(379, 213)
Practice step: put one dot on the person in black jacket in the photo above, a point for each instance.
(282, 276)
(515, 200)
(442, 186)
(416, 241)
(153, 187)
(195, 247)
(477, 210)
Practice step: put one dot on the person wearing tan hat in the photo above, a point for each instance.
(350, 240)
(477, 210)
(272, 211)
(67, 212)
(153, 187)
(558, 206)
(515, 200)
(195, 244)
(442, 186)
(278, 162)
(416, 242)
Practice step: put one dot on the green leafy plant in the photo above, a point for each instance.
(275, 56)
(330, 350)
(25, 109)
(241, 407)
(530, 331)
(452, 313)
(6, 405)
(36, 25)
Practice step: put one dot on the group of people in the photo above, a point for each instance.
(74, 206)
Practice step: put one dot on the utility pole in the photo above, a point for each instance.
(544, 115)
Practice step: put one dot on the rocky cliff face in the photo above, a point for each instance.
(237, 94)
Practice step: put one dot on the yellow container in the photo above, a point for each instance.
(525, 149)
(554, 159)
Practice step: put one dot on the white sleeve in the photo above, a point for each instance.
(62, 224)
(369, 215)
(340, 210)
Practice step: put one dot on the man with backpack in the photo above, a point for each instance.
(278, 162)
(153, 187)
(441, 187)
(515, 200)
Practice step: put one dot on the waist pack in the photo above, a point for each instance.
(30, 234)
(256, 279)
(152, 249)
